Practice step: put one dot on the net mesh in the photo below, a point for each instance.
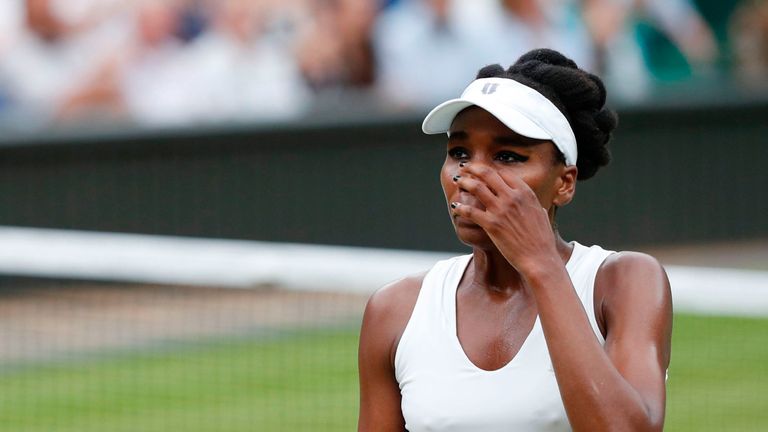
(87, 356)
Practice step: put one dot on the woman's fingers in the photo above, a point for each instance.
(489, 176)
(467, 211)
(477, 188)
(507, 187)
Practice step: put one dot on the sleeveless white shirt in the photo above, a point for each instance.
(442, 390)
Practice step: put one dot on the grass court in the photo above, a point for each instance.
(307, 381)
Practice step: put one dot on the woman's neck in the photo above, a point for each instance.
(492, 272)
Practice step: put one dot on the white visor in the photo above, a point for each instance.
(519, 107)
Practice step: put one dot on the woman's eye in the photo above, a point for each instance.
(458, 153)
(510, 157)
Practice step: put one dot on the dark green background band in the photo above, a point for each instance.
(678, 175)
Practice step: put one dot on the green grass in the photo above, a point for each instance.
(718, 380)
(299, 382)
(308, 381)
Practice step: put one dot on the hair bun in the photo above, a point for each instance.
(606, 120)
(547, 56)
(490, 71)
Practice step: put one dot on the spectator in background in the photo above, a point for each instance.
(682, 23)
(618, 57)
(517, 26)
(242, 68)
(108, 24)
(156, 82)
(421, 53)
(749, 35)
(51, 56)
(208, 62)
(425, 45)
(335, 50)
(11, 25)
(622, 56)
(356, 19)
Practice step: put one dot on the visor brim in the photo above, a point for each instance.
(439, 120)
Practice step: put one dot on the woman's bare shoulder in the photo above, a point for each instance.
(633, 283)
(387, 313)
(395, 301)
(628, 267)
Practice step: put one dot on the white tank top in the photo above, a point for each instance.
(442, 390)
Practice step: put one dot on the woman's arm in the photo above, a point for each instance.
(619, 387)
(385, 318)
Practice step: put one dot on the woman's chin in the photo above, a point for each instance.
(472, 234)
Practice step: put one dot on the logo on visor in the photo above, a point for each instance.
(489, 88)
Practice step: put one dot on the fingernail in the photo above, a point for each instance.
(456, 177)
(454, 205)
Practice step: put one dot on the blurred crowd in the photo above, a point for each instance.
(180, 62)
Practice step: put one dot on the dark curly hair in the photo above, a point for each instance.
(578, 94)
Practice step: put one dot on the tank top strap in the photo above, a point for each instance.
(582, 268)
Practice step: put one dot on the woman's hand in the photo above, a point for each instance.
(513, 217)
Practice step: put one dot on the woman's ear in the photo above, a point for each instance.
(566, 186)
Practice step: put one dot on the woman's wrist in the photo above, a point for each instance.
(542, 272)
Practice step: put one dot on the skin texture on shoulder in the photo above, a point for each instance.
(386, 315)
(633, 304)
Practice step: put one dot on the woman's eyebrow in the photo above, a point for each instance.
(516, 140)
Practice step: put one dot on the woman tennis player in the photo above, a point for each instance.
(529, 332)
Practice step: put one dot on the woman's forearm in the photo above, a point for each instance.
(596, 396)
